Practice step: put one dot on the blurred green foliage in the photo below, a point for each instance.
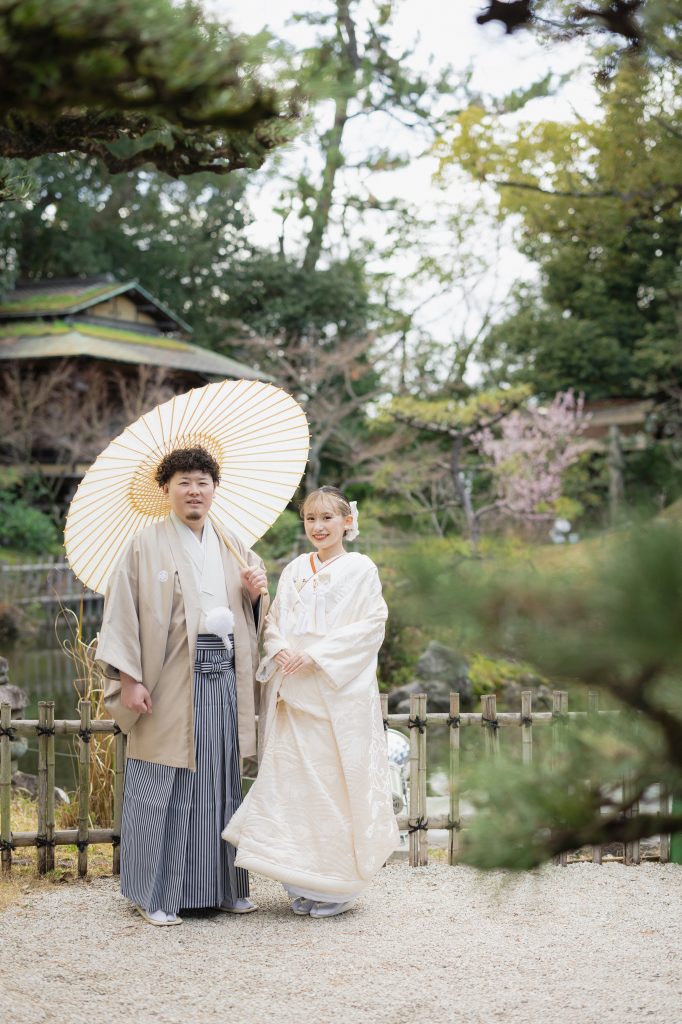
(25, 527)
(608, 620)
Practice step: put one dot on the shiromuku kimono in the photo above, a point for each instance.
(319, 817)
(182, 781)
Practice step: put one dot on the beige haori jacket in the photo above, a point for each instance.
(149, 630)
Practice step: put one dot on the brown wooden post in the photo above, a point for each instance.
(454, 786)
(84, 787)
(559, 710)
(490, 724)
(383, 700)
(119, 769)
(5, 788)
(49, 829)
(527, 726)
(664, 809)
(593, 711)
(41, 837)
(417, 817)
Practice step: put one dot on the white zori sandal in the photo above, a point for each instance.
(240, 906)
(330, 909)
(159, 918)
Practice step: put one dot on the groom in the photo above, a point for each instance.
(178, 647)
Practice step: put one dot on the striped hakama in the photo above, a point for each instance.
(172, 854)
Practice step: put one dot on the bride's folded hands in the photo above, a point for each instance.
(291, 661)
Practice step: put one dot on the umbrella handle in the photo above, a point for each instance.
(242, 561)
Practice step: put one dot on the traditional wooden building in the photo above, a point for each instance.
(79, 359)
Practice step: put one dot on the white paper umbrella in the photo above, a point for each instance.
(257, 433)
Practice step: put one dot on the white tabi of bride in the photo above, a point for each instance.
(319, 817)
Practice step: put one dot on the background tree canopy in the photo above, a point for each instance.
(134, 84)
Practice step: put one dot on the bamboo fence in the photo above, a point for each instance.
(416, 822)
(47, 837)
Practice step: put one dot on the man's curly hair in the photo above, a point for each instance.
(187, 460)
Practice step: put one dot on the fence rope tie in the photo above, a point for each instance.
(454, 826)
(42, 841)
(526, 719)
(115, 840)
(454, 721)
(6, 844)
(85, 735)
(420, 825)
(117, 729)
(9, 732)
(82, 844)
(491, 723)
(385, 721)
(417, 723)
(45, 730)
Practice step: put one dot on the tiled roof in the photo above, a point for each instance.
(60, 339)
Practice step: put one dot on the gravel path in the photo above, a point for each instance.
(439, 945)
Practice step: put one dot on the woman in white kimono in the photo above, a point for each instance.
(319, 817)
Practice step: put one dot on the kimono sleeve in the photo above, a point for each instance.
(118, 643)
(346, 651)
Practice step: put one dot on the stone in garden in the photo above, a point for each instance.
(439, 672)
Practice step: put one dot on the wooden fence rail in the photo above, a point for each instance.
(49, 583)
(416, 822)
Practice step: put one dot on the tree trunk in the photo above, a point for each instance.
(616, 465)
(463, 491)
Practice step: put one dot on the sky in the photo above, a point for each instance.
(442, 33)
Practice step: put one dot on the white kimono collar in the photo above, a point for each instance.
(204, 554)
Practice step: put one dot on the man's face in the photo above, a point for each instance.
(190, 495)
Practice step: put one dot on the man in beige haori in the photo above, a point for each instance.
(178, 647)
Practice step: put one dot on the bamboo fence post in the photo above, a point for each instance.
(83, 787)
(119, 768)
(592, 712)
(664, 808)
(559, 712)
(631, 849)
(41, 838)
(49, 824)
(453, 823)
(5, 787)
(383, 698)
(527, 726)
(419, 854)
(490, 723)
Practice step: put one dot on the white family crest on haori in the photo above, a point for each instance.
(257, 433)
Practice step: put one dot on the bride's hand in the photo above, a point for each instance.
(297, 663)
(282, 657)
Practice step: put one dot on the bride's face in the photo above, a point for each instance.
(325, 526)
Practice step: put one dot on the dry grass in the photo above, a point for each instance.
(24, 877)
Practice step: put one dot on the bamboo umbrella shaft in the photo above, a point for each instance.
(42, 788)
(84, 788)
(232, 549)
(50, 823)
(5, 788)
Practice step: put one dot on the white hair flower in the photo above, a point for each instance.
(352, 531)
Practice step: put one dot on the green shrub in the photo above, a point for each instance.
(25, 528)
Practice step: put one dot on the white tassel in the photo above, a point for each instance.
(220, 621)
